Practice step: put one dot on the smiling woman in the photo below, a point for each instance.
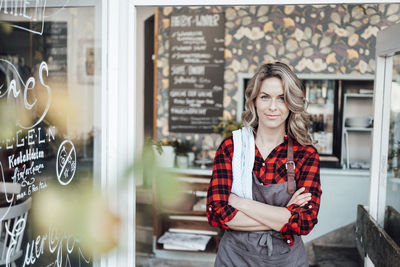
(256, 172)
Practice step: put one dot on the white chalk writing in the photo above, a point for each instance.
(26, 10)
(54, 242)
(15, 234)
(66, 162)
(210, 20)
(21, 175)
(36, 136)
(14, 92)
(30, 154)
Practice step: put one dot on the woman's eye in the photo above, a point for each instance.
(264, 97)
(281, 98)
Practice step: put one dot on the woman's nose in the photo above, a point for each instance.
(272, 104)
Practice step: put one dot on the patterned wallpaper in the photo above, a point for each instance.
(334, 39)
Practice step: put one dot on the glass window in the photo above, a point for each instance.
(50, 64)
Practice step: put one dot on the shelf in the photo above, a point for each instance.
(207, 256)
(184, 212)
(358, 129)
(359, 95)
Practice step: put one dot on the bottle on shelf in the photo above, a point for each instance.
(311, 129)
(322, 93)
(313, 93)
(315, 124)
(318, 92)
(329, 123)
(322, 123)
(330, 94)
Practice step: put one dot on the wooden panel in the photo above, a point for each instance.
(392, 224)
(373, 240)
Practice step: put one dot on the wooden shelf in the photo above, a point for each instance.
(359, 95)
(179, 215)
(183, 212)
(358, 129)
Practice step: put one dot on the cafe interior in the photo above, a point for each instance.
(196, 98)
(111, 113)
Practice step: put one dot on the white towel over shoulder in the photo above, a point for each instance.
(243, 162)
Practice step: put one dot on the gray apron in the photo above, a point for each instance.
(262, 248)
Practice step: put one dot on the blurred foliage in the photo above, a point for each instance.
(82, 212)
(226, 126)
(10, 114)
(159, 143)
(147, 167)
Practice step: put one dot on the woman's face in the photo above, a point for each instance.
(271, 108)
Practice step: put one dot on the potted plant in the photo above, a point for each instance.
(182, 148)
(164, 151)
(226, 126)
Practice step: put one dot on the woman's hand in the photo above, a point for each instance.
(234, 200)
(299, 198)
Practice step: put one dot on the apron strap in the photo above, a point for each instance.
(290, 166)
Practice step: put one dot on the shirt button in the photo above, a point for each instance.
(310, 206)
(288, 241)
(263, 164)
(209, 208)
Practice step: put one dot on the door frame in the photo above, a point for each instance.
(123, 19)
(387, 44)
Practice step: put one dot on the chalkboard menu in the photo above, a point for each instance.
(196, 58)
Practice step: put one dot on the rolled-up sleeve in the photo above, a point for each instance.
(303, 219)
(219, 211)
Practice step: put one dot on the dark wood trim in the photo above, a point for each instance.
(373, 240)
(156, 18)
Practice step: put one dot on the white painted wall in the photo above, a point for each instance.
(342, 191)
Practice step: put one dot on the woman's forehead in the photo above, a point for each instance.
(272, 86)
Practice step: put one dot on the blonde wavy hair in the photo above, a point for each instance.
(297, 123)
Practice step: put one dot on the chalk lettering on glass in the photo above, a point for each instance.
(13, 92)
(35, 136)
(30, 11)
(29, 155)
(53, 241)
(15, 234)
(4, 189)
(66, 162)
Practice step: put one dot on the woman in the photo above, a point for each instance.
(252, 190)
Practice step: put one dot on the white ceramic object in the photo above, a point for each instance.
(167, 157)
(191, 157)
(182, 162)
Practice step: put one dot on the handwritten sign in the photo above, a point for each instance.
(196, 79)
(66, 162)
(30, 11)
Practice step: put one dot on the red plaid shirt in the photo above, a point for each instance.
(273, 171)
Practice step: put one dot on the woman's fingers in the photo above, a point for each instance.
(302, 199)
(298, 192)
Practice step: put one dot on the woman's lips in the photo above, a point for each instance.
(272, 117)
